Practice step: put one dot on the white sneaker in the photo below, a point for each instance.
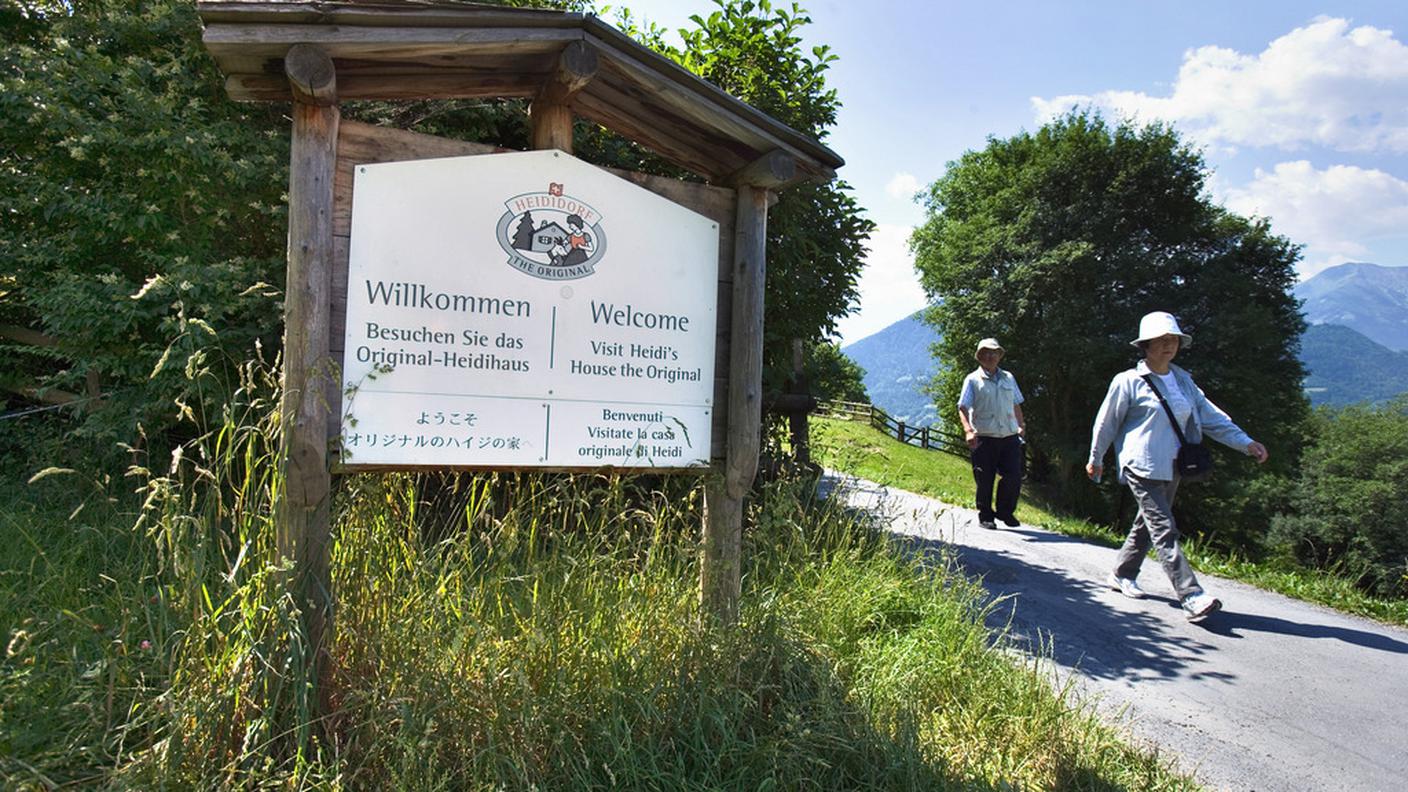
(1126, 586)
(1200, 606)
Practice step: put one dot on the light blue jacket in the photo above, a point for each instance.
(1133, 420)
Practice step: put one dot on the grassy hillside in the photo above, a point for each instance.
(862, 451)
(506, 633)
(1345, 367)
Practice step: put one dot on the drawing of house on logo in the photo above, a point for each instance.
(548, 236)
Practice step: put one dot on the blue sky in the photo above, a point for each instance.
(1301, 108)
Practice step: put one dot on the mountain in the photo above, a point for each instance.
(1343, 366)
(897, 364)
(1369, 298)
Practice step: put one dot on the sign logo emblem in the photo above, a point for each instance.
(551, 235)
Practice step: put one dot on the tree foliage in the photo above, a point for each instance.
(1057, 242)
(144, 211)
(817, 232)
(831, 375)
(1349, 505)
(145, 214)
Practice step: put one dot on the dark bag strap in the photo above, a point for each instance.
(1182, 441)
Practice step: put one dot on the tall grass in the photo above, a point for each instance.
(542, 631)
(83, 626)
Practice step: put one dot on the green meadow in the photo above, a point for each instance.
(504, 632)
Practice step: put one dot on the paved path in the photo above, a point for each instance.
(1270, 694)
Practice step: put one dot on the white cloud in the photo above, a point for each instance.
(1323, 84)
(903, 186)
(889, 286)
(1334, 211)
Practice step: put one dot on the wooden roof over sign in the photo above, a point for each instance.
(427, 50)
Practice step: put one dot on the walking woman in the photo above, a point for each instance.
(1135, 418)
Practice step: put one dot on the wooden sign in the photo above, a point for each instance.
(526, 310)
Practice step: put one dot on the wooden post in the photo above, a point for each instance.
(720, 571)
(302, 512)
(797, 419)
(549, 115)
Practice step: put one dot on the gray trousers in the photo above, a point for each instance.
(1154, 525)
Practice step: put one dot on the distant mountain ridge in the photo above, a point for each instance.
(1343, 366)
(1355, 349)
(898, 363)
(1369, 298)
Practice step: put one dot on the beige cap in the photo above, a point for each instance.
(988, 343)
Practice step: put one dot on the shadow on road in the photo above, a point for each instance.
(1075, 621)
(1228, 624)
(1080, 623)
(1058, 538)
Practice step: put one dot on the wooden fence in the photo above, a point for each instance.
(31, 391)
(929, 438)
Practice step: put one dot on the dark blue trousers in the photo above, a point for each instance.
(1000, 458)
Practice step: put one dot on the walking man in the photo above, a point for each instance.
(990, 409)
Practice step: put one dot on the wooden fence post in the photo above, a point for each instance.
(302, 517)
(720, 570)
(798, 432)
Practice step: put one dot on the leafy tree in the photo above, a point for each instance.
(1057, 242)
(144, 216)
(1349, 505)
(817, 232)
(832, 375)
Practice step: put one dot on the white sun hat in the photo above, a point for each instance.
(1159, 324)
(987, 343)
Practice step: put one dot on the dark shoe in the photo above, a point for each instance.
(1011, 522)
(988, 524)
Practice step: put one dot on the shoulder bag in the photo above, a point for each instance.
(1194, 460)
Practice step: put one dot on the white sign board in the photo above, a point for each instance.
(526, 310)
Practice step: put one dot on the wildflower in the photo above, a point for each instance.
(146, 644)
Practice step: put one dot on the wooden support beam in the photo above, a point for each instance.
(311, 75)
(302, 514)
(550, 113)
(720, 572)
(448, 84)
(773, 170)
(576, 67)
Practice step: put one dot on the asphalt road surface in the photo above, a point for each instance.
(1271, 694)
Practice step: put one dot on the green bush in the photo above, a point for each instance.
(144, 211)
(1349, 508)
